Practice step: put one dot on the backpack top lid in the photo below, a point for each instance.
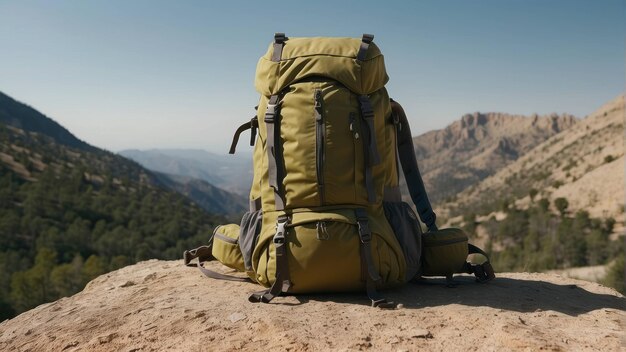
(333, 58)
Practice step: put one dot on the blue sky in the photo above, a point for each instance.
(157, 74)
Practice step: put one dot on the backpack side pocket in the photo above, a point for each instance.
(248, 237)
(408, 232)
(226, 246)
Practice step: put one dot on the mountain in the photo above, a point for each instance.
(164, 306)
(559, 206)
(477, 146)
(24, 117)
(583, 164)
(232, 173)
(70, 212)
(210, 198)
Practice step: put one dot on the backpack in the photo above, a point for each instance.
(326, 212)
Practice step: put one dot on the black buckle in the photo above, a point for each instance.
(280, 38)
(367, 38)
(484, 272)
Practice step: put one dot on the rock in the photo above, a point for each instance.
(237, 316)
(190, 312)
(421, 334)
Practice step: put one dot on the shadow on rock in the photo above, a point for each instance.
(503, 293)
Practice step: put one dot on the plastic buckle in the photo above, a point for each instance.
(279, 237)
(270, 113)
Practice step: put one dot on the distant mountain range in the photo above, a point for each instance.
(209, 197)
(232, 173)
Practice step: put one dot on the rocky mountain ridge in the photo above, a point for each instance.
(477, 146)
(583, 164)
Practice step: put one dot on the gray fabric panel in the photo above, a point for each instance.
(249, 230)
(255, 205)
(411, 170)
(392, 194)
(406, 227)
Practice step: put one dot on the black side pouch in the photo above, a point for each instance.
(408, 232)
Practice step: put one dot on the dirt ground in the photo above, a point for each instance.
(162, 305)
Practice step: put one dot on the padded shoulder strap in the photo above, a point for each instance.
(410, 169)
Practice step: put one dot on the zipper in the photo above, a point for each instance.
(320, 142)
(225, 238)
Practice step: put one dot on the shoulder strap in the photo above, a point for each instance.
(410, 169)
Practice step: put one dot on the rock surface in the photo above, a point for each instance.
(159, 305)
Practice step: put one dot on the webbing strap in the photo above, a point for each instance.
(483, 272)
(367, 113)
(274, 155)
(369, 274)
(365, 44)
(279, 42)
(203, 254)
(251, 125)
(370, 149)
(411, 170)
(282, 282)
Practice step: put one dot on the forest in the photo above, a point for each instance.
(68, 215)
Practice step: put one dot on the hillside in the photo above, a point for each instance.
(559, 206)
(69, 214)
(232, 173)
(156, 306)
(479, 145)
(584, 164)
(212, 199)
(24, 117)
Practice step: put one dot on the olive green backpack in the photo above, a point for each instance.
(326, 213)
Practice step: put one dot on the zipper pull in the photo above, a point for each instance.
(318, 105)
(322, 231)
(352, 127)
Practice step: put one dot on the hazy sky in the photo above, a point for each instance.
(179, 74)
